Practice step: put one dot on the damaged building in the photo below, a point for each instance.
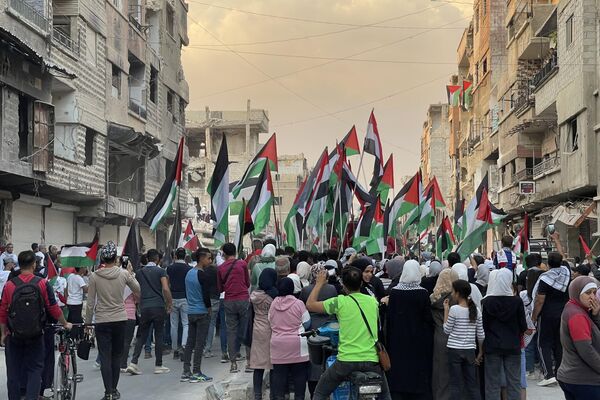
(93, 101)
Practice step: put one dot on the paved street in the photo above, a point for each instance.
(168, 385)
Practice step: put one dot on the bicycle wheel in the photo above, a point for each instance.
(66, 377)
(74, 377)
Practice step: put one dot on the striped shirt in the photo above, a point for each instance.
(462, 332)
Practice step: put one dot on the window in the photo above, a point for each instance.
(90, 46)
(484, 67)
(170, 21)
(476, 19)
(65, 142)
(572, 135)
(170, 101)
(181, 110)
(510, 29)
(116, 81)
(153, 84)
(569, 30)
(90, 146)
(25, 122)
(277, 200)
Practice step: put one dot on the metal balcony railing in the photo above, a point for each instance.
(523, 101)
(542, 75)
(29, 13)
(65, 41)
(546, 166)
(522, 175)
(137, 108)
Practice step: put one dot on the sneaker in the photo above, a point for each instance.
(96, 365)
(208, 354)
(123, 370)
(224, 358)
(239, 357)
(133, 369)
(147, 355)
(185, 377)
(108, 396)
(194, 379)
(249, 370)
(203, 378)
(547, 382)
(234, 368)
(116, 395)
(161, 370)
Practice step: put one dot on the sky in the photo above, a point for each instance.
(307, 75)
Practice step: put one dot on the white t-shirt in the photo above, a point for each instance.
(75, 285)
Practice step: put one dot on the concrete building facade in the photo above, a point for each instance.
(87, 131)
(435, 160)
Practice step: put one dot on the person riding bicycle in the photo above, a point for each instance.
(356, 350)
(25, 304)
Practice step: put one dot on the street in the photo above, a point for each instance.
(168, 385)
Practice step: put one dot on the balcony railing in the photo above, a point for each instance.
(137, 108)
(542, 75)
(135, 16)
(65, 41)
(523, 101)
(546, 166)
(523, 175)
(30, 14)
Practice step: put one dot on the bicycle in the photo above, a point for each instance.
(66, 377)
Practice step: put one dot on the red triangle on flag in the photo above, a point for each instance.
(350, 141)
(388, 172)
(484, 212)
(269, 151)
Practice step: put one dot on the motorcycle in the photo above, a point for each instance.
(323, 349)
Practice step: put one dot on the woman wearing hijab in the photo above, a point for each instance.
(303, 272)
(440, 379)
(317, 320)
(482, 276)
(463, 274)
(504, 324)
(289, 351)
(261, 299)
(409, 332)
(265, 260)
(579, 371)
(394, 269)
(428, 282)
(372, 285)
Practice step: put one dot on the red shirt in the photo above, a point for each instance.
(252, 255)
(52, 309)
(238, 281)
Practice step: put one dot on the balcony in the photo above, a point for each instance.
(545, 72)
(59, 37)
(29, 14)
(523, 175)
(547, 166)
(137, 109)
(126, 208)
(523, 102)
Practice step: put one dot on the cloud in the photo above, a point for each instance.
(295, 100)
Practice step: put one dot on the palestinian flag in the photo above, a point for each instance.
(427, 210)
(479, 216)
(53, 277)
(362, 232)
(316, 218)
(293, 222)
(584, 246)
(467, 99)
(387, 179)
(261, 201)
(350, 142)
(438, 200)
(521, 241)
(373, 146)
(79, 255)
(245, 225)
(405, 201)
(189, 240)
(444, 239)
(360, 192)
(459, 210)
(133, 244)
(218, 188)
(414, 216)
(454, 97)
(266, 155)
(377, 236)
(162, 205)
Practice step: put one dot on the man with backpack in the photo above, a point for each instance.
(25, 304)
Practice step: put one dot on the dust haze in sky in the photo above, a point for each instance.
(305, 77)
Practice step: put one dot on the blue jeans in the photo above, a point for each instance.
(580, 392)
(214, 305)
(531, 354)
(463, 374)
(179, 312)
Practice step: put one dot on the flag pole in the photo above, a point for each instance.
(275, 218)
(335, 204)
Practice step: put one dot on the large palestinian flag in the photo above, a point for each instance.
(218, 188)
(266, 155)
(261, 201)
(453, 92)
(444, 239)
(405, 201)
(162, 205)
(79, 255)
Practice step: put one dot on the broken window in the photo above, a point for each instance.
(43, 135)
(572, 135)
(25, 124)
(569, 30)
(90, 146)
(137, 86)
(116, 81)
(126, 174)
(65, 140)
(170, 20)
(153, 85)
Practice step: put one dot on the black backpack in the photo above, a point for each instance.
(27, 311)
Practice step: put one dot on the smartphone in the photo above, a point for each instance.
(124, 261)
(551, 228)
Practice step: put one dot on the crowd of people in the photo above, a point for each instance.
(475, 328)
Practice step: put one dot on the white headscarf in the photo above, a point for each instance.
(303, 271)
(297, 285)
(461, 270)
(411, 276)
(268, 251)
(500, 283)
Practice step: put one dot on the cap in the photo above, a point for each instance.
(331, 264)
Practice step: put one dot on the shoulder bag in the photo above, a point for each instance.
(384, 358)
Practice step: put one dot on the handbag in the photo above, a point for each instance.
(84, 346)
(384, 357)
